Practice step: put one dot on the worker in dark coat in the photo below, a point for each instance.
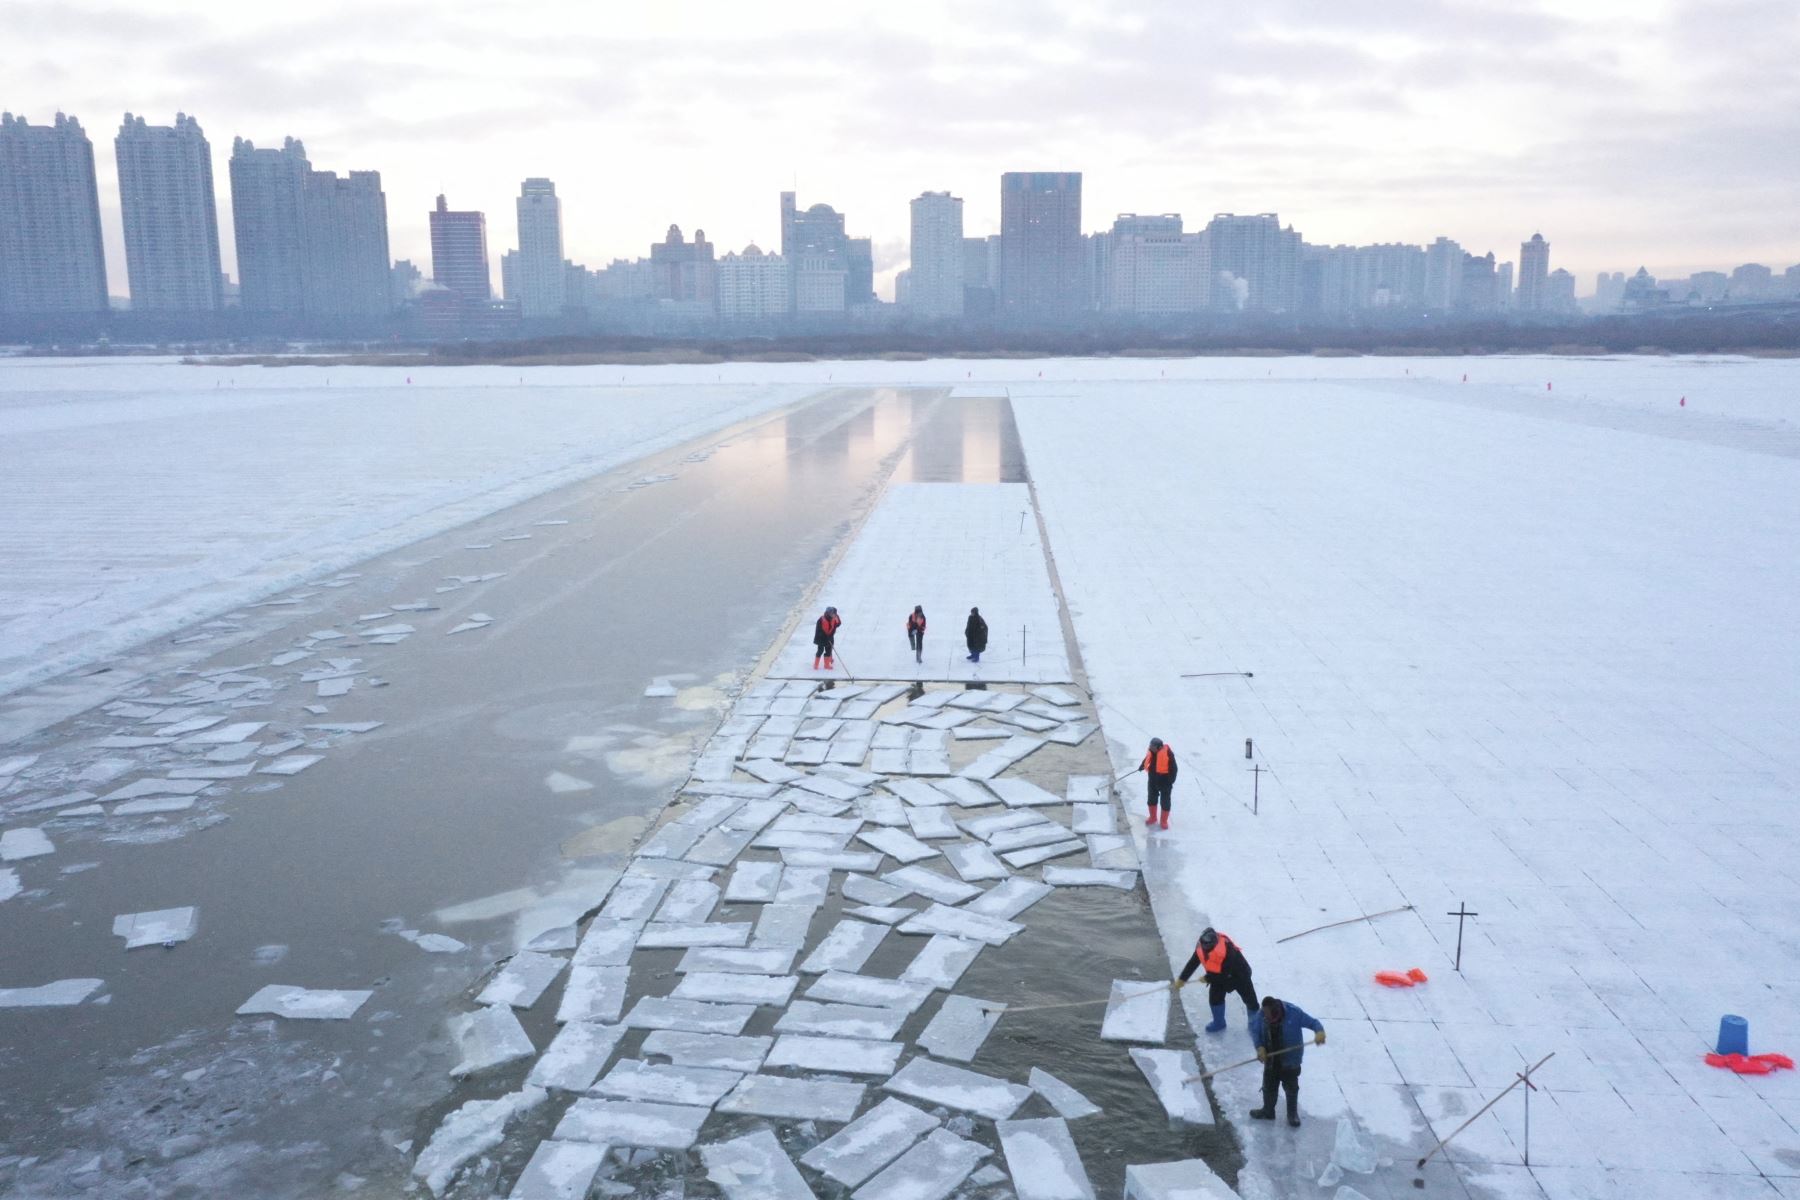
(1276, 1030)
(1227, 970)
(1159, 762)
(915, 632)
(825, 636)
(975, 633)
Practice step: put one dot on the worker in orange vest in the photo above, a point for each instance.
(915, 632)
(825, 637)
(1227, 970)
(1159, 761)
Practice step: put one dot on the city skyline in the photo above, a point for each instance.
(1359, 125)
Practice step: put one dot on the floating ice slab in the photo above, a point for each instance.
(1043, 1160)
(153, 805)
(918, 793)
(795, 1099)
(804, 885)
(720, 846)
(305, 1004)
(576, 1056)
(1090, 877)
(522, 980)
(884, 914)
(10, 886)
(1063, 1098)
(557, 937)
(770, 961)
(677, 937)
(980, 733)
(473, 1129)
(16, 845)
(754, 1167)
(689, 1016)
(727, 1052)
(1167, 1072)
(1189, 1179)
(967, 793)
(488, 1038)
(1008, 898)
(891, 761)
(1006, 754)
(930, 884)
(226, 771)
(846, 948)
(1020, 859)
(688, 901)
(795, 839)
(931, 1170)
(959, 923)
(224, 735)
(1093, 818)
(1017, 793)
(942, 961)
(841, 1020)
(848, 1056)
(60, 994)
(1042, 834)
(1112, 851)
(842, 860)
(1072, 734)
(882, 810)
(164, 927)
(852, 774)
(1137, 1010)
(997, 823)
(607, 943)
(632, 1123)
(753, 883)
(559, 1171)
(770, 771)
(724, 987)
(634, 898)
(975, 863)
(864, 890)
(870, 1142)
(1088, 789)
(673, 840)
(898, 845)
(634, 1079)
(931, 824)
(156, 787)
(594, 992)
(1028, 721)
(783, 925)
(1061, 697)
(959, 1028)
(829, 787)
(845, 988)
(958, 1088)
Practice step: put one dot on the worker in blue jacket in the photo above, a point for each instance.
(1276, 1031)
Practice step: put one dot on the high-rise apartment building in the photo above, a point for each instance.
(1255, 263)
(459, 260)
(268, 202)
(684, 271)
(346, 262)
(754, 286)
(1479, 289)
(1534, 272)
(542, 280)
(936, 282)
(1151, 266)
(51, 259)
(1443, 274)
(171, 223)
(814, 243)
(1559, 292)
(1041, 267)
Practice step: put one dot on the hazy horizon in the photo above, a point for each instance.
(1632, 134)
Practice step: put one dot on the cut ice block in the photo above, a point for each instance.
(1028, 721)
(1093, 818)
(557, 937)
(1063, 1098)
(772, 772)
(902, 846)
(843, 860)
(290, 764)
(522, 980)
(966, 792)
(488, 1038)
(672, 840)
(827, 786)
(809, 823)
(224, 735)
(607, 943)
(688, 900)
(918, 793)
(841, 1020)
(1112, 851)
(890, 761)
(930, 824)
(794, 1099)
(754, 1167)
(846, 948)
(1043, 1160)
(576, 1056)
(305, 1004)
(783, 925)
(870, 1142)
(1041, 834)
(931, 1170)
(961, 1025)
(923, 881)
(958, 1088)
(988, 827)
(473, 1129)
(635, 1079)
(804, 885)
(882, 914)
(845, 988)
(16, 845)
(732, 988)
(689, 1016)
(720, 846)
(65, 992)
(1090, 877)
(632, 1123)
(886, 811)
(593, 993)
(959, 923)
(1061, 697)
(559, 1171)
(980, 733)
(772, 961)
(156, 787)
(634, 898)
(753, 883)
(1008, 898)
(847, 1056)
(975, 862)
(1191, 1179)
(1167, 1072)
(928, 762)
(942, 962)
(1072, 734)
(728, 1052)
(153, 804)
(681, 936)
(795, 839)
(1017, 793)
(1020, 859)
(864, 890)
(1088, 789)
(1137, 1010)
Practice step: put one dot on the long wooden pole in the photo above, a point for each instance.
(1350, 921)
(1524, 1079)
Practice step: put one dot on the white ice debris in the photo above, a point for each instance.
(1090, 877)
(918, 793)
(1112, 851)
(576, 1056)
(959, 1028)
(803, 885)
(1020, 859)
(975, 863)
(19, 844)
(223, 735)
(958, 923)
(942, 962)
(1093, 818)
(896, 844)
(846, 1056)
(753, 882)
(151, 805)
(865, 890)
(754, 1167)
(1017, 793)
(1043, 1160)
(735, 988)
(559, 1171)
(931, 1170)
(1070, 1103)
(561, 783)
(163, 927)
(687, 901)
(932, 885)
(842, 987)
(1039, 834)
(594, 992)
(1009, 898)
(1350, 1150)
(557, 937)
(1169, 1073)
(522, 980)
(770, 961)
(634, 1079)
(841, 1020)
(782, 925)
(931, 824)
(1137, 1010)
(10, 885)
(60, 994)
(794, 1099)
(690, 1016)
(304, 1004)
(870, 1142)
(291, 764)
(958, 1088)
(843, 860)
(741, 1053)
(155, 787)
(473, 1129)
(632, 1123)
(487, 1038)
(846, 948)
(883, 914)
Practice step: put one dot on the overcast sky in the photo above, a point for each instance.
(1657, 132)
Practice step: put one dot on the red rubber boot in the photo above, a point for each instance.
(815, 662)
(1150, 821)
(828, 664)
(1165, 819)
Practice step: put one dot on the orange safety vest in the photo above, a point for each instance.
(829, 625)
(1161, 765)
(915, 621)
(1214, 963)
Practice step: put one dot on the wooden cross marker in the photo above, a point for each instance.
(1461, 914)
